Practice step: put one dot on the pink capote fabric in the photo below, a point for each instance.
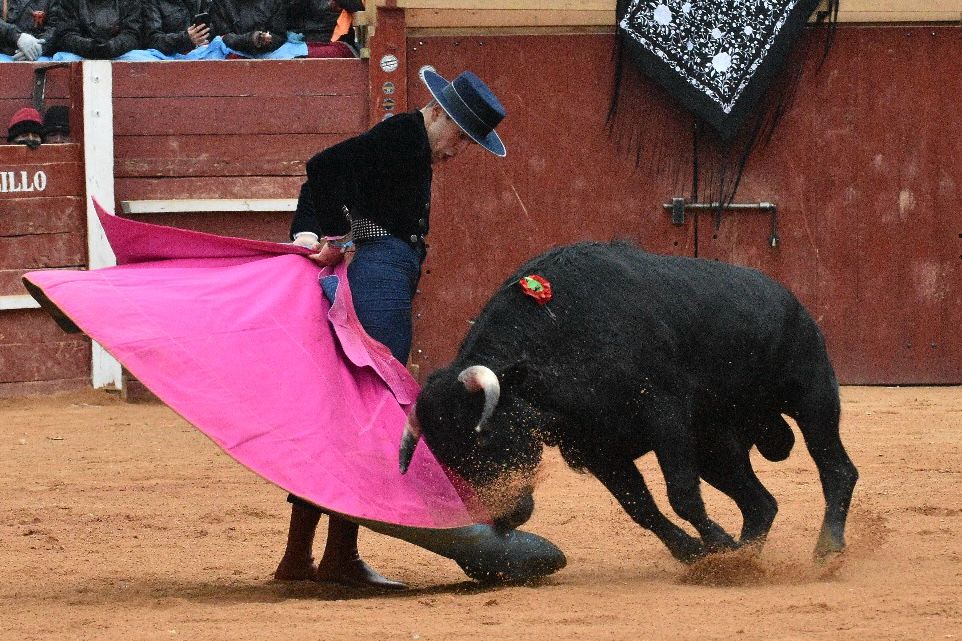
(236, 336)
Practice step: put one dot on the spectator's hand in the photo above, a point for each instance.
(262, 39)
(18, 56)
(30, 47)
(199, 34)
(329, 255)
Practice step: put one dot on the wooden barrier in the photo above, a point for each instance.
(42, 226)
(229, 130)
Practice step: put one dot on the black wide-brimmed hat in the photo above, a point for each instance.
(471, 104)
(56, 120)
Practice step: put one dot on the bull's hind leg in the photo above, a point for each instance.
(626, 484)
(726, 466)
(817, 415)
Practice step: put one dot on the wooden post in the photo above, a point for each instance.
(388, 65)
(98, 130)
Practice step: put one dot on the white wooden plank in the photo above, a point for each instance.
(20, 301)
(512, 5)
(203, 205)
(99, 174)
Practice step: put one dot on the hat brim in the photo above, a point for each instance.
(436, 84)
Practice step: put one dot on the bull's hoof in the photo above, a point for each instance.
(828, 546)
(510, 557)
(752, 545)
(687, 550)
(721, 541)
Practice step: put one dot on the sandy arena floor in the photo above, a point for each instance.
(121, 521)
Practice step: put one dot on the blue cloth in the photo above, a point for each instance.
(6, 58)
(384, 278)
(295, 47)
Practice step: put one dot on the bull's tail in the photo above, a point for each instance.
(775, 439)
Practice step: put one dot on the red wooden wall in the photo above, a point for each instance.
(230, 129)
(40, 230)
(865, 170)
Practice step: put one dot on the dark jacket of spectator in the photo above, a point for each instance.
(316, 19)
(166, 23)
(100, 29)
(28, 16)
(239, 22)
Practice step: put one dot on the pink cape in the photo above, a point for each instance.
(237, 337)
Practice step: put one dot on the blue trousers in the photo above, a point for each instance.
(384, 278)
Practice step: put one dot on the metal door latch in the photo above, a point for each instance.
(678, 207)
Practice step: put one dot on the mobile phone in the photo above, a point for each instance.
(201, 18)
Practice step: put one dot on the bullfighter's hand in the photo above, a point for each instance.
(307, 240)
(329, 255)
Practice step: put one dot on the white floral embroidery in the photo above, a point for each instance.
(721, 62)
(715, 45)
(662, 15)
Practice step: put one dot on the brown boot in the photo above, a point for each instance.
(343, 565)
(298, 563)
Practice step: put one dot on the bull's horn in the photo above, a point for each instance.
(412, 434)
(479, 377)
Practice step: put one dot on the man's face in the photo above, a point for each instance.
(56, 138)
(446, 137)
(31, 140)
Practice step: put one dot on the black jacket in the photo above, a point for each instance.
(100, 29)
(166, 22)
(237, 20)
(28, 16)
(316, 19)
(383, 175)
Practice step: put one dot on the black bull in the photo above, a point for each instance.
(695, 360)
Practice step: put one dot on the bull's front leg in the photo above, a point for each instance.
(677, 460)
(626, 484)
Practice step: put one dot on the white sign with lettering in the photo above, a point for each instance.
(22, 181)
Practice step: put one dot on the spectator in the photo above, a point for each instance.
(56, 125)
(100, 29)
(26, 29)
(169, 25)
(26, 128)
(250, 26)
(320, 22)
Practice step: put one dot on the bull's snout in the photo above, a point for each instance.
(518, 516)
